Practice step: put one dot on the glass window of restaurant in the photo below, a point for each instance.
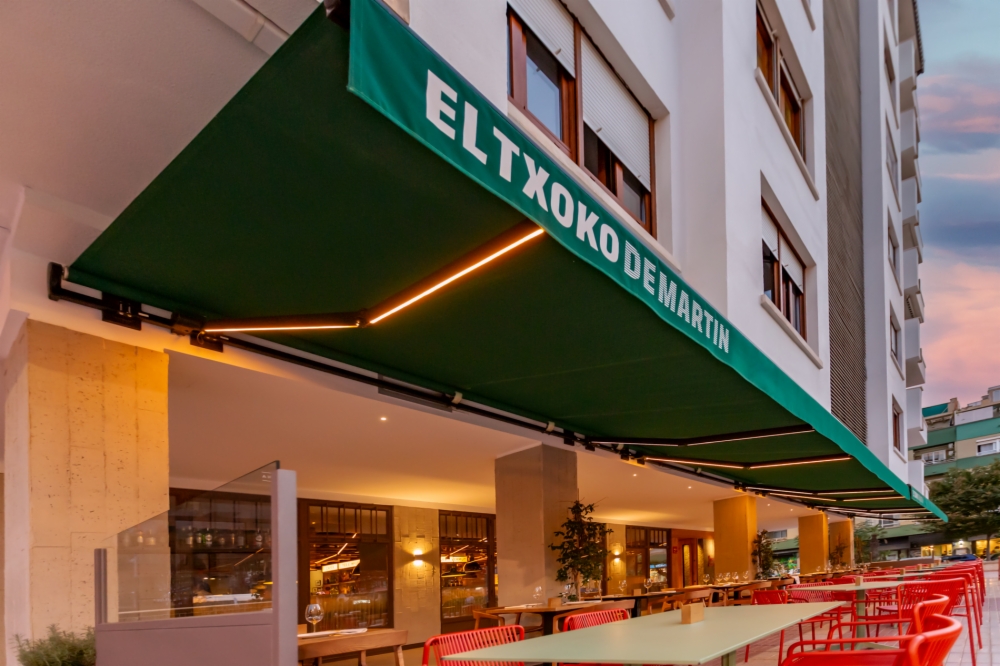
(647, 557)
(219, 550)
(345, 563)
(468, 567)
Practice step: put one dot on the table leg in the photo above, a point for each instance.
(862, 631)
(361, 659)
(729, 659)
(547, 623)
(399, 655)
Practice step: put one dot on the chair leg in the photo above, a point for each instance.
(781, 644)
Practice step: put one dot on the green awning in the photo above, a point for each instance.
(356, 166)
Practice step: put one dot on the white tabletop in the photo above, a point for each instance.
(867, 585)
(656, 639)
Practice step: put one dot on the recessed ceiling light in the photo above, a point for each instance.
(635, 475)
(689, 487)
(383, 419)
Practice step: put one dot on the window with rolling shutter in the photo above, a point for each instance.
(553, 26)
(614, 115)
(784, 273)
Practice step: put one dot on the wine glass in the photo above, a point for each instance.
(314, 614)
(725, 578)
(648, 583)
(537, 594)
(622, 584)
(706, 579)
(746, 576)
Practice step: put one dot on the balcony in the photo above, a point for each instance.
(907, 74)
(915, 472)
(912, 294)
(913, 239)
(909, 138)
(916, 428)
(916, 369)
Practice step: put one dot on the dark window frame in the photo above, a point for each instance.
(572, 141)
(894, 338)
(780, 81)
(783, 294)
(897, 425)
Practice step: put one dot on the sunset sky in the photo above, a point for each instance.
(959, 101)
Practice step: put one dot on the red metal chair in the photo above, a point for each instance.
(965, 605)
(814, 592)
(937, 604)
(463, 641)
(927, 648)
(597, 618)
(767, 598)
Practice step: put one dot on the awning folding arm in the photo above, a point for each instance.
(765, 433)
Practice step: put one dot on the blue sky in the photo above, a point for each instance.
(959, 102)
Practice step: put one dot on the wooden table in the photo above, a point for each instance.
(312, 650)
(860, 596)
(548, 613)
(648, 596)
(657, 639)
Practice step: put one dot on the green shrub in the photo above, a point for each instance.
(59, 648)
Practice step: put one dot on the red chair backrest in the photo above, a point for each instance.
(768, 597)
(596, 618)
(813, 592)
(931, 646)
(934, 605)
(953, 588)
(463, 641)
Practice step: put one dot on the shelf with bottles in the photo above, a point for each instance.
(220, 522)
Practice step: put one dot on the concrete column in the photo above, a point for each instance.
(842, 533)
(735, 530)
(814, 543)
(416, 557)
(86, 456)
(535, 488)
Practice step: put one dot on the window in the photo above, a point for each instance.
(779, 534)
(617, 134)
(996, 395)
(897, 428)
(615, 176)
(772, 65)
(890, 75)
(988, 448)
(893, 251)
(539, 84)
(784, 273)
(934, 457)
(894, 338)
(598, 122)
(891, 160)
(468, 567)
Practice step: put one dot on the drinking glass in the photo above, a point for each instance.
(648, 583)
(706, 579)
(622, 584)
(314, 615)
(538, 593)
(746, 576)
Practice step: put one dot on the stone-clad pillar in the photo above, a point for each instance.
(735, 529)
(86, 455)
(535, 488)
(417, 572)
(814, 543)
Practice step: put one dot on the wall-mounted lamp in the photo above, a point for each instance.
(417, 553)
(616, 550)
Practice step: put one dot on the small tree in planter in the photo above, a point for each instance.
(763, 555)
(583, 548)
(59, 648)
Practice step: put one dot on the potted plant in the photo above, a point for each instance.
(763, 555)
(582, 549)
(59, 648)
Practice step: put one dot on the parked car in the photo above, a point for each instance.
(968, 557)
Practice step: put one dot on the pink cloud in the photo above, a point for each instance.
(960, 109)
(960, 336)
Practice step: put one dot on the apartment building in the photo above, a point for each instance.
(874, 57)
(552, 238)
(960, 437)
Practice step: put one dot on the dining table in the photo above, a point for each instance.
(657, 639)
(648, 597)
(861, 595)
(547, 612)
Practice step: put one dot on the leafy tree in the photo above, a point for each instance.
(583, 549)
(866, 538)
(971, 499)
(59, 648)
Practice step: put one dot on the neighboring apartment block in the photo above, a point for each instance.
(874, 56)
(960, 437)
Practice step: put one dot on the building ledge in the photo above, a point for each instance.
(809, 13)
(776, 112)
(775, 313)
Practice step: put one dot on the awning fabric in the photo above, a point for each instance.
(354, 164)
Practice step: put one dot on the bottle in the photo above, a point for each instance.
(189, 535)
(199, 538)
(208, 538)
(139, 538)
(241, 539)
(258, 539)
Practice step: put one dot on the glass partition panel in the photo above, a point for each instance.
(209, 554)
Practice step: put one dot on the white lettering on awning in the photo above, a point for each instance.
(436, 106)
